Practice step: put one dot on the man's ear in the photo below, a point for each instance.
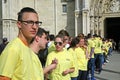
(19, 24)
(37, 38)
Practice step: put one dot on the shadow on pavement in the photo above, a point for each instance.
(100, 78)
(111, 71)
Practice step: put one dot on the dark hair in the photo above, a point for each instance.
(81, 35)
(89, 35)
(95, 35)
(52, 37)
(63, 32)
(74, 42)
(60, 36)
(5, 40)
(40, 33)
(23, 10)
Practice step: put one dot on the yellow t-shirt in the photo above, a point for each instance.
(82, 61)
(74, 55)
(38, 70)
(64, 63)
(91, 45)
(109, 44)
(51, 47)
(98, 45)
(105, 48)
(16, 62)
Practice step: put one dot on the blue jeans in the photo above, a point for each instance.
(91, 68)
(110, 51)
(73, 78)
(98, 58)
(103, 59)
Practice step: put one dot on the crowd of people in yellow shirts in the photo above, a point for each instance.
(65, 58)
(78, 57)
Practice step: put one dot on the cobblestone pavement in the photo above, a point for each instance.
(111, 70)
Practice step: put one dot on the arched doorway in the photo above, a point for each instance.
(112, 29)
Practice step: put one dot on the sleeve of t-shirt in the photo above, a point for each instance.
(8, 61)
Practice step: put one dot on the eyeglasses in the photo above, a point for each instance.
(60, 43)
(31, 23)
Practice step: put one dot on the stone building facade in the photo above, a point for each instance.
(75, 16)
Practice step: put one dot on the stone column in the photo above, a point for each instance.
(76, 21)
(77, 4)
(85, 22)
(85, 17)
(77, 13)
(55, 16)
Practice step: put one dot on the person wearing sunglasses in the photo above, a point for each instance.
(65, 62)
(66, 38)
(66, 44)
(16, 61)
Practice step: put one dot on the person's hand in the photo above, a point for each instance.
(65, 72)
(54, 64)
(88, 57)
(55, 61)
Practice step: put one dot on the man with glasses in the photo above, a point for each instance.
(16, 61)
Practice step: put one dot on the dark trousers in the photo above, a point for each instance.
(73, 78)
(110, 51)
(82, 75)
(91, 68)
(98, 61)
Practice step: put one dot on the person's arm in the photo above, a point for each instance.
(4, 78)
(92, 51)
(68, 71)
(49, 68)
(52, 66)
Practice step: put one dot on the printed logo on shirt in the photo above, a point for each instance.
(67, 59)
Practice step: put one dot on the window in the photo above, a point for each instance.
(64, 7)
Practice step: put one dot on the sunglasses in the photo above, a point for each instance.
(59, 43)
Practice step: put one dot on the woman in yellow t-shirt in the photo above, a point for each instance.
(82, 59)
(65, 63)
(74, 44)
